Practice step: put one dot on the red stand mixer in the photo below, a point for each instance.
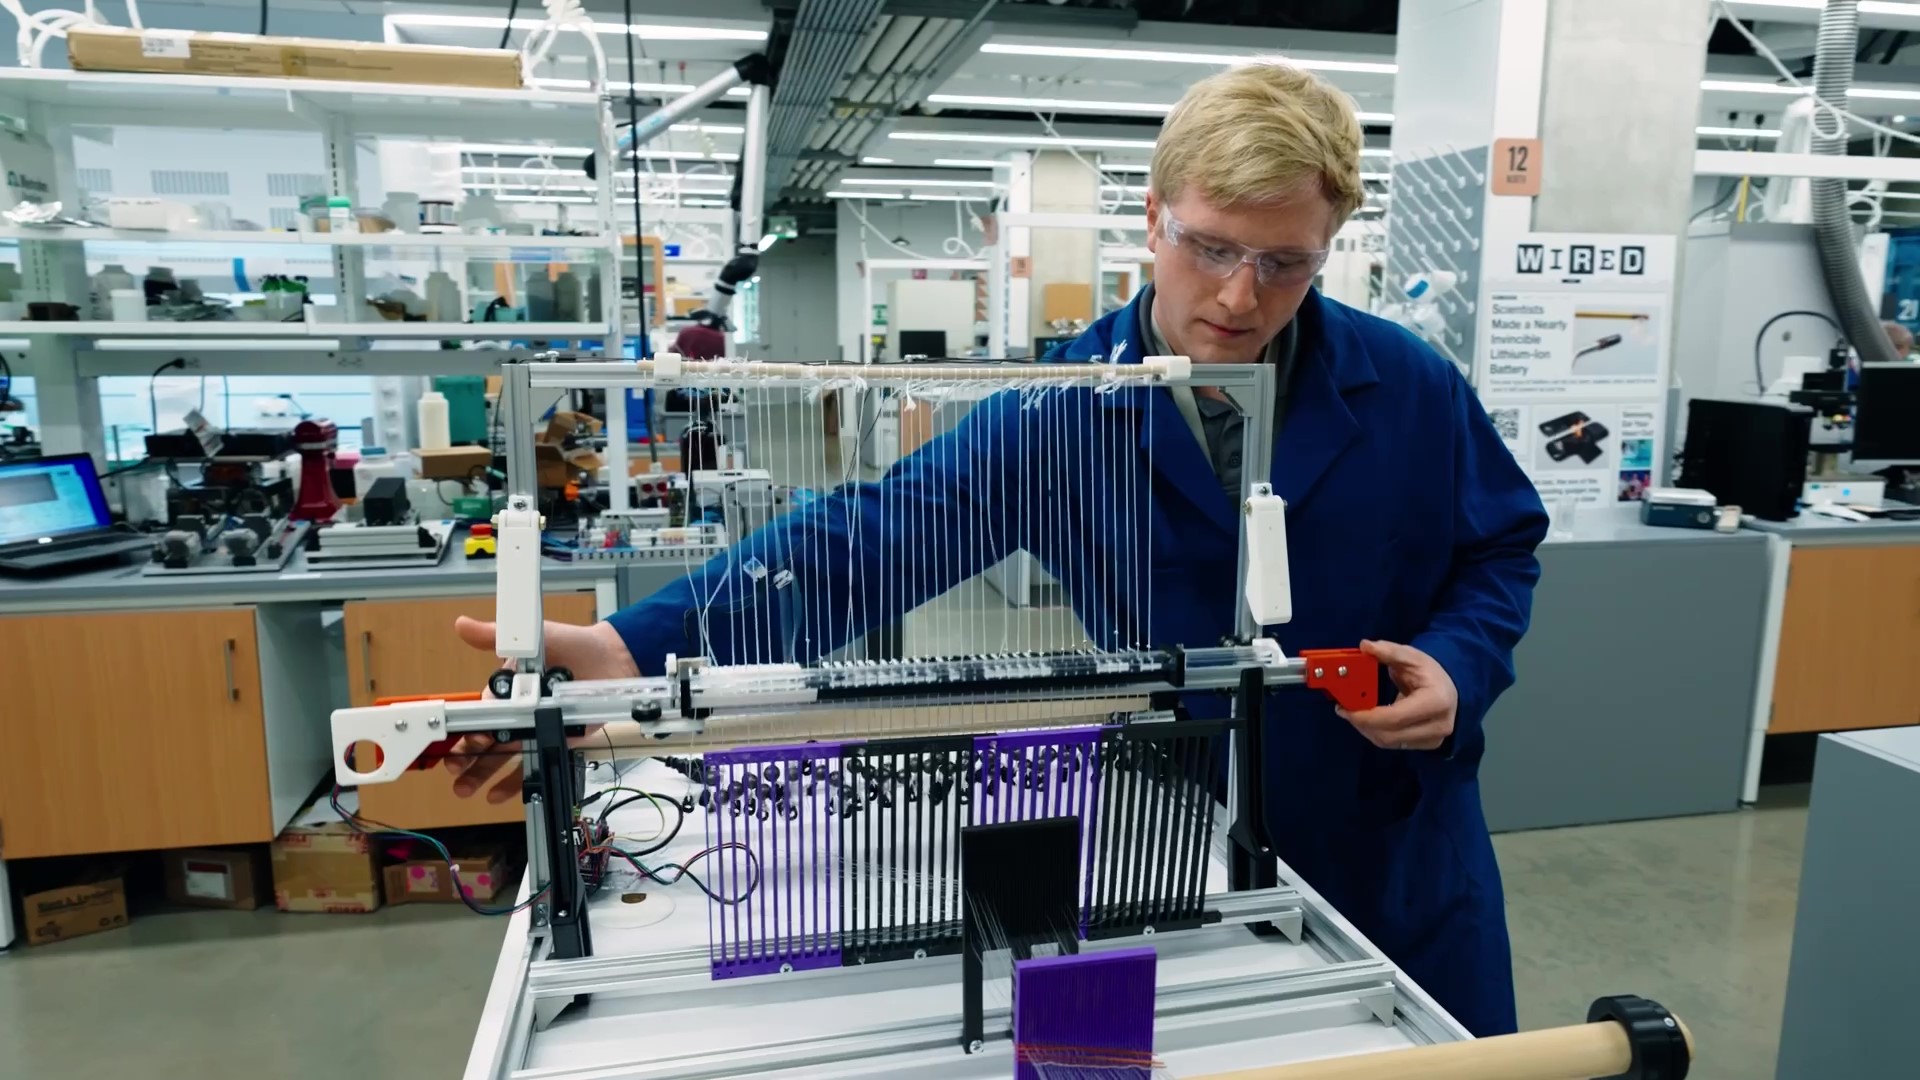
(316, 440)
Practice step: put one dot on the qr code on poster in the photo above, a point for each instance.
(1506, 422)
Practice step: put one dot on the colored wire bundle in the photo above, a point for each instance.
(686, 870)
(359, 825)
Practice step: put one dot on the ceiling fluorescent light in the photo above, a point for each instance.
(1867, 7)
(873, 182)
(1380, 176)
(1021, 140)
(1749, 86)
(645, 31)
(919, 196)
(523, 149)
(542, 198)
(711, 129)
(865, 195)
(634, 87)
(1374, 117)
(1375, 151)
(1050, 104)
(681, 155)
(981, 163)
(1074, 52)
(1866, 93)
(1112, 167)
(1738, 132)
(876, 161)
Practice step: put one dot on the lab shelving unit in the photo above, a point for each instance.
(346, 338)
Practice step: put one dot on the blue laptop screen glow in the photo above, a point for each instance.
(50, 497)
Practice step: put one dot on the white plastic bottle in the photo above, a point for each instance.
(432, 411)
(114, 278)
(373, 464)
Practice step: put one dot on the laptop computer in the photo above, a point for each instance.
(53, 516)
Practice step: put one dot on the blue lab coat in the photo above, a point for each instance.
(1407, 520)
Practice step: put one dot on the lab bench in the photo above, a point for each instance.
(1634, 686)
(201, 704)
(1855, 940)
(1843, 617)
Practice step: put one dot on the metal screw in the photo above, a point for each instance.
(399, 725)
(1148, 932)
(433, 722)
(973, 1047)
(1342, 669)
(786, 969)
(1667, 1021)
(1319, 673)
(919, 954)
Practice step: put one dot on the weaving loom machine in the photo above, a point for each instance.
(1007, 857)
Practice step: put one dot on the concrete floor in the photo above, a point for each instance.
(1694, 912)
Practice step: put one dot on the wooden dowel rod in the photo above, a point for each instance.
(629, 741)
(1579, 1052)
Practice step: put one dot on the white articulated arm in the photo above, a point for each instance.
(1269, 585)
(518, 611)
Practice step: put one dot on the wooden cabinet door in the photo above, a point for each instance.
(129, 730)
(402, 647)
(1849, 640)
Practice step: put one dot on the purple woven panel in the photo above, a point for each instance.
(774, 801)
(1025, 775)
(1092, 1012)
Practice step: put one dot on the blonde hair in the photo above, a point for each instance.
(1260, 132)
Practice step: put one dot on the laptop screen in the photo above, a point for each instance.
(50, 496)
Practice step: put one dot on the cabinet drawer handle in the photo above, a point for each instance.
(366, 658)
(233, 691)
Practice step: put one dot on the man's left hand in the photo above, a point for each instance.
(1421, 718)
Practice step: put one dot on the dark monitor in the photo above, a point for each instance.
(1886, 414)
(923, 343)
(1748, 454)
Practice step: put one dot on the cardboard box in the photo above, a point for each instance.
(96, 901)
(320, 864)
(236, 880)
(426, 881)
(556, 464)
(453, 463)
(103, 48)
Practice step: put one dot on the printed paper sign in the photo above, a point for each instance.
(1574, 358)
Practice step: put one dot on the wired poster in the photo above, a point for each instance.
(1573, 360)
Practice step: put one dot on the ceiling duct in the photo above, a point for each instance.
(827, 37)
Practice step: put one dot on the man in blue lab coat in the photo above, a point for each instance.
(1410, 527)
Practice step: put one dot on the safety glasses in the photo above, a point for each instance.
(1223, 258)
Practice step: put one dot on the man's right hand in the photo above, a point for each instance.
(589, 652)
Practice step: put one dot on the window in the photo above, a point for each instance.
(128, 411)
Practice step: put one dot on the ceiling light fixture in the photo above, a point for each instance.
(1737, 132)
(634, 87)
(865, 195)
(876, 161)
(645, 31)
(1021, 140)
(542, 198)
(1025, 104)
(976, 163)
(859, 181)
(523, 149)
(1865, 93)
(1157, 56)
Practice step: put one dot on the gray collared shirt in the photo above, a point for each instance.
(1216, 425)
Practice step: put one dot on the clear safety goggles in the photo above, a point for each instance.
(1223, 258)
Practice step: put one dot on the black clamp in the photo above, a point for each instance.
(1660, 1049)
